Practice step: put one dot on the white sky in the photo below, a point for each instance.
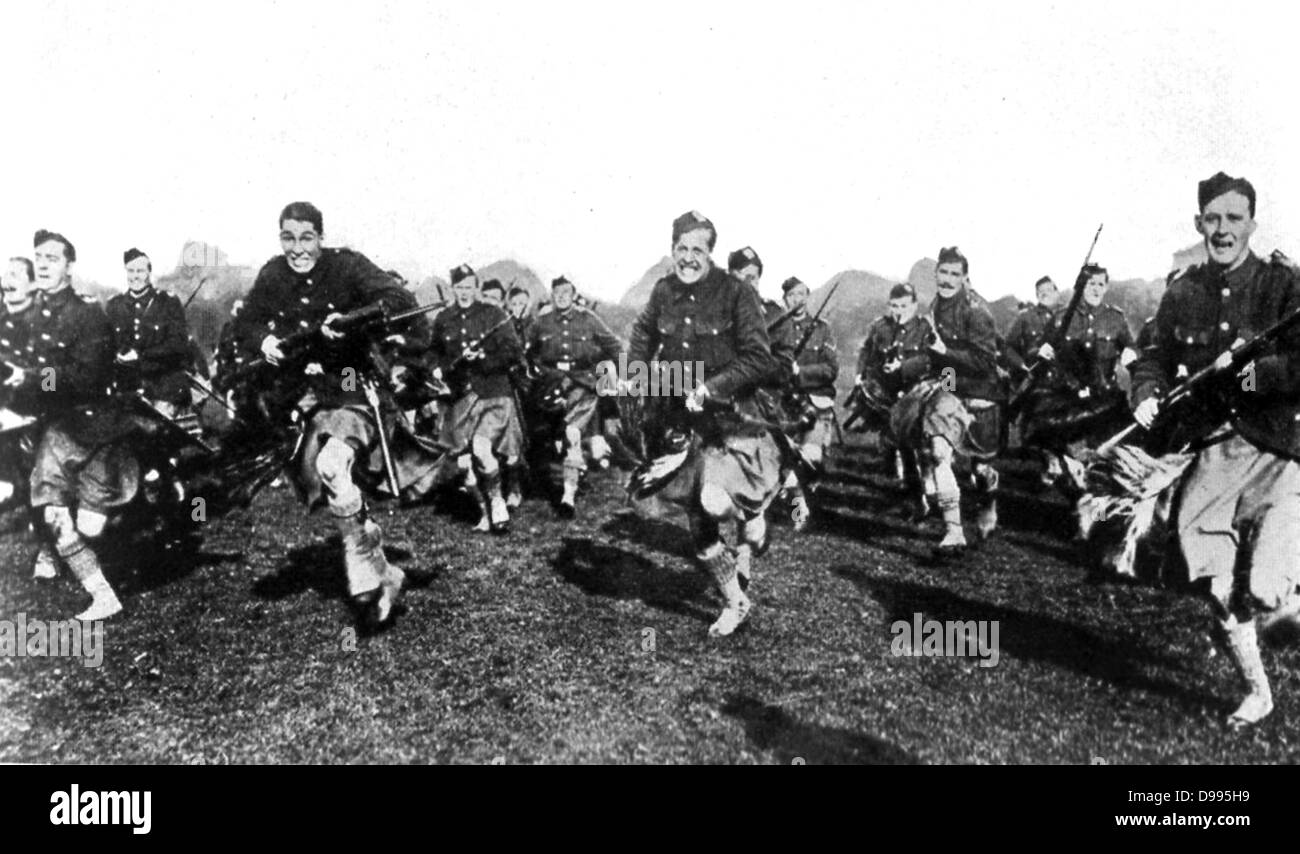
(569, 135)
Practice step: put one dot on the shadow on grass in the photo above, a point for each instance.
(611, 572)
(1035, 637)
(317, 566)
(657, 535)
(770, 727)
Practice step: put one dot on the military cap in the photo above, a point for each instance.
(902, 289)
(742, 258)
(690, 221)
(131, 254)
(560, 280)
(790, 284)
(464, 271)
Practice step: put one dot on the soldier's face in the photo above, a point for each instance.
(1047, 294)
(465, 291)
(949, 278)
(1095, 289)
(518, 305)
(750, 275)
(1226, 224)
(902, 309)
(691, 255)
(493, 297)
(17, 287)
(301, 244)
(562, 297)
(796, 297)
(137, 273)
(52, 266)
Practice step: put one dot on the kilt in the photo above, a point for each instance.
(821, 411)
(1239, 510)
(747, 465)
(495, 418)
(69, 471)
(972, 427)
(419, 464)
(1055, 419)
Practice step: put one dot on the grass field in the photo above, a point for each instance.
(587, 642)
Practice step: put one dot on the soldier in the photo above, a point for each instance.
(493, 293)
(150, 339)
(17, 311)
(731, 469)
(894, 357)
(568, 345)
(745, 265)
(1029, 330)
(518, 301)
(82, 468)
(474, 346)
(1238, 511)
(956, 413)
(809, 345)
(310, 286)
(1081, 403)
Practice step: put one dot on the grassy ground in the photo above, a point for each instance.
(586, 642)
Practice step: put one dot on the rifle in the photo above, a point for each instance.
(1242, 354)
(462, 360)
(812, 324)
(1032, 375)
(203, 281)
(376, 314)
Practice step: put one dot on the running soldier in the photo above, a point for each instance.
(1079, 403)
(955, 415)
(151, 340)
(1029, 330)
(809, 398)
(730, 466)
(328, 390)
(567, 345)
(473, 349)
(82, 467)
(894, 357)
(1238, 510)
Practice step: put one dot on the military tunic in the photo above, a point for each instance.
(1240, 503)
(152, 324)
(819, 364)
(283, 302)
(889, 342)
(717, 322)
(568, 345)
(1097, 337)
(485, 403)
(1028, 332)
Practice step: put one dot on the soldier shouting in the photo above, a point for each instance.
(1238, 512)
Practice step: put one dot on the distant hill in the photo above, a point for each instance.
(639, 294)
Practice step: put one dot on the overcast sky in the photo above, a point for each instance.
(569, 135)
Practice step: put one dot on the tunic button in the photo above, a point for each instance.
(305, 301)
(303, 324)
(686, 345)
(1224, 326)
(688, 320)
(309, 281)
(1226, 292)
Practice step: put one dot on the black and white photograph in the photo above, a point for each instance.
(665, 383)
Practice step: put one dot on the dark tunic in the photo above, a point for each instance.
(153, 325)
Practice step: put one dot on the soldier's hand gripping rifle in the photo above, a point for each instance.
(1036, 369)
(295, 344)
(454, 375)
(1239, 356)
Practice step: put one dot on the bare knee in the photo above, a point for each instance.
(59, 520)
(715, 501)
(334, 463)
(481, 449)
(90, 523)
